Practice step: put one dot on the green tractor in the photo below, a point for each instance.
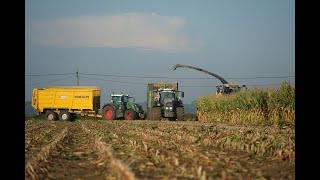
(164, 101)
(122, 106)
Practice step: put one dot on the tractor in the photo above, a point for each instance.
(164, 101)
(122, 106)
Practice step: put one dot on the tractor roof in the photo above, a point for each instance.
(119, 95)
(166, 89)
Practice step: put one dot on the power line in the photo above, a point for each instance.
(132, 82)
(163, 77)
(154, 77)
(49, 74)
(111, 80)
(180, 85)
(147, 77)
(137, 82)
(159, 77)
(50, 81)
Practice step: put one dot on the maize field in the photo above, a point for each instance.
(145, 149)
(255, 106)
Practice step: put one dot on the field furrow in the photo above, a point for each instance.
(76, 157)
(145, 149)
(177, 158)
(40, 137)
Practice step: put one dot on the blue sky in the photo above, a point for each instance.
(246, 39)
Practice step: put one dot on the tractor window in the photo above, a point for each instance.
(116, 98)
(125, 99)
(165, 95)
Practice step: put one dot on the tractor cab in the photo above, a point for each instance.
(116, 98)
(167, 95)
(119, 99)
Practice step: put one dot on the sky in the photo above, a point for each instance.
(122, 45)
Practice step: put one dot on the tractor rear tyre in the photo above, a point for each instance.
(51, 116)
(129, 114)
(108, 113)
(155, 113)
(64, 116)
(180, 113)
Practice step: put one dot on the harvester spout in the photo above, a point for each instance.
(176, 66)
(223, 81)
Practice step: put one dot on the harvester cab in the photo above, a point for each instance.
(229, 88)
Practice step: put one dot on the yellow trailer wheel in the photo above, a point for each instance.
(64, 115)
(51, 115)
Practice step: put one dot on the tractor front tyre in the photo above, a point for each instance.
(129, 114)
(180, 113)
(64, 116)
(51, 116)
(108, 113)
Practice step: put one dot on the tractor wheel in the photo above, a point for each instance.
(108, 113)
(155, 113)
(51, 116)
(129, 114)
(64, 116)
(180, 113)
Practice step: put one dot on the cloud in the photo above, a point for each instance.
(134, 30)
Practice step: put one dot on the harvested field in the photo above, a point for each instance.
(144, 149)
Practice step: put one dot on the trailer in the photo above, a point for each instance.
(64, 102)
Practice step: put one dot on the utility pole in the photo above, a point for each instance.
(77, 77)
